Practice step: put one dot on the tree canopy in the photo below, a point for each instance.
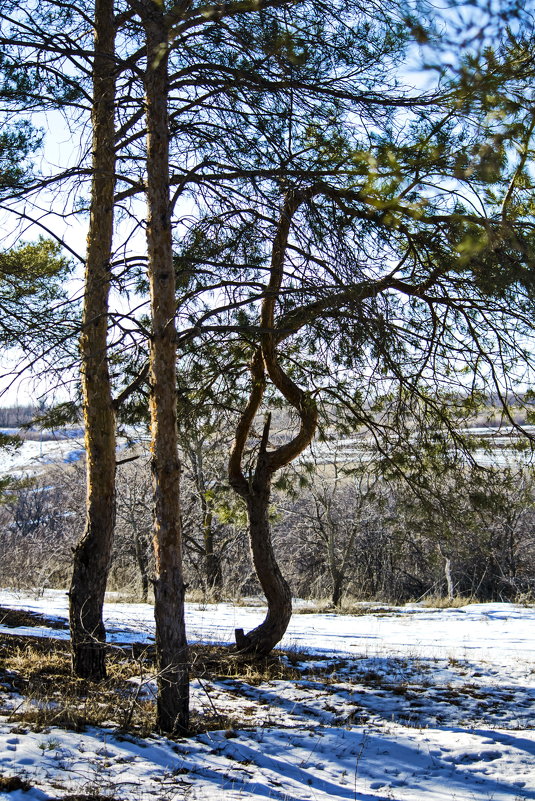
(326, 231)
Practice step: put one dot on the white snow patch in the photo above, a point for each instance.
(411, 705)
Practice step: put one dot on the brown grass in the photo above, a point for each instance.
(39, 669)
(348, 607)
(443, 602)
(9, 784)
(222, 662)
(86, 797)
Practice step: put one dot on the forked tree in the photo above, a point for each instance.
(401, 301)
(279, 59)
(256, 487)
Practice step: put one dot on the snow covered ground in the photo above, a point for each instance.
(34, 456)
(403, 704)
(41, 450)
(67, 445)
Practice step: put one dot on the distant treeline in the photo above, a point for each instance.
(15, 416)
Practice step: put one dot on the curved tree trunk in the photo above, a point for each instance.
(93, 553)
(256, 490)
(261, 640)
(169, 588)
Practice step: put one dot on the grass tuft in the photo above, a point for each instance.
(40, 670)
(443, 602)
(86, 797)
(8, 784)
(348, 606)
(222, 662)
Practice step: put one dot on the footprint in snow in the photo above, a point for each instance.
(479, 756)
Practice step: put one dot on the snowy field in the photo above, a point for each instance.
(34, 457)
(65, 446)
(398, 704)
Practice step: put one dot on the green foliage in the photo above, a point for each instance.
(33, 269)
(19, 140)
(10, 442)
(16, 145)
(57, 416)
(32, 296)
(9, 484)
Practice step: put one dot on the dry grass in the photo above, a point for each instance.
(443, 602)
(39, 670)
(87, 797)
(222, 662)
(347, 607)
(207, 597)
(9, 784)
(526, 598)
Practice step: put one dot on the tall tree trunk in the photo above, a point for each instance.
(449, 579)
(141, 540)
(212, 560)
(336, 595)
(450, 588)
(93, 552)
(169, 588)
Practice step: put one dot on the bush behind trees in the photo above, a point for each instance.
(347, 533)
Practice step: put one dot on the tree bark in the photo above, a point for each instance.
(212, 560)
(449, 579)
(262, 639)
(169, 588)
(93, 553)
(336, 595)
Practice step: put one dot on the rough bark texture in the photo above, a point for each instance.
(212, 560)
(92, 555)
(169, 589)
(140, 540)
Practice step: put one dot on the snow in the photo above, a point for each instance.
(398, 704)
(34, 456)
(66, 446)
